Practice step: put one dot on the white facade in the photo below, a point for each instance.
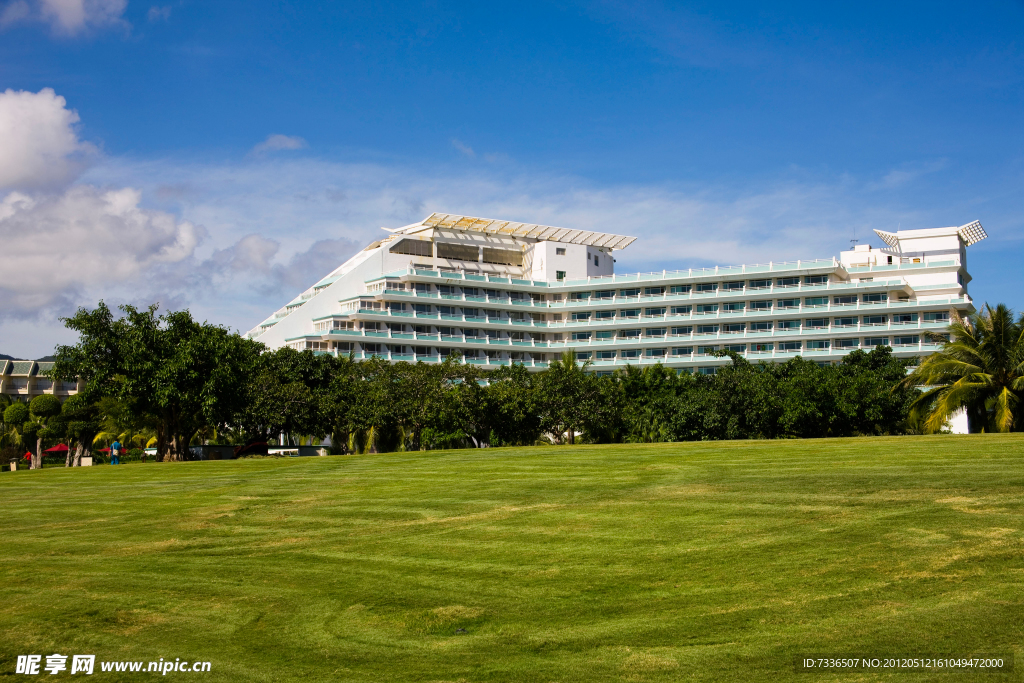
(499, 292)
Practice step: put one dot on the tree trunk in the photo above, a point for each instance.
(163, 433)
(79, 450)
(67, 458)
(37, 457)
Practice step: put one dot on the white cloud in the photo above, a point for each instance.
(463, 148)
(62, 247)
(275, 143)
(159, 13)
(66, 17)
(38, 143)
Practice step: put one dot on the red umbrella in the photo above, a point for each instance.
(59, 448)
(104, 450)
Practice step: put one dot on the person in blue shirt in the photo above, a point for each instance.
(115, 452)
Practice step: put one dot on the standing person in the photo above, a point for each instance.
(115, 451)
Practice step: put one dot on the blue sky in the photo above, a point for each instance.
(717, 132)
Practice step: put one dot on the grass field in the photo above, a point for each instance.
(703, 561)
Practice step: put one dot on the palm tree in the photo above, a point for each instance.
(980, 369)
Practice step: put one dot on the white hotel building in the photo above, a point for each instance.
(501, 292)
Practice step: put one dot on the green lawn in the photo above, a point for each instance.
(705, 561)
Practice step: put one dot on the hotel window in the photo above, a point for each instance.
(874, 320)
(581, 336)
(604, 334)
(816, 322)
(906, 341)
(707, 308)
(629, 313)
(629, 292)
(679, 289)
(493, 314)
(790, 346)
(788, 281)
(472, 333)
(371, 348)
(874, 298)
(655, 353)
(876, 341)
(707, 287)
(471, 291)
(654, 291)
(421, 308)
(789, 303)
(733, 306)
(707, 371)
(604, 315)
(706, 350)
(605, 294)
(630, 353)
(654, 312)
(559, 251)
(761, 326)
(629, 334)
(905, 318)
(582, 355)
(760, 305)
(458, 252)
(656, 331)
(846, 343)
(682, 331)
(471, 312)
(413, 247)
(733, 328)
(579, 296)
(759, 284)
(707, 329)
(942, 317)
(495, 294)
(681, 310)
(735, 348)
(559, 274)
(787, 325)
(846, 322)
(844, 300)
(815, 279)
(606, 355)
(816, 301)
(396, 306)
(448, 331)
(762, 347)
(596, 262)
(682, 350)
(818, 344)
(581, 315)
(422, 288)
(731, 286)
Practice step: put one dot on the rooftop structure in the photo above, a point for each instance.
(500, 292)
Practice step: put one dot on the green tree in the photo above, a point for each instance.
(511, 406)
(83, 424)
(42, 411)
(980, 369)
(15, 417)
(568, 398)
(287, 392)
(180, 373)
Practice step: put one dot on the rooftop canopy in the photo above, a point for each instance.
(972, 233)
(538, 232)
